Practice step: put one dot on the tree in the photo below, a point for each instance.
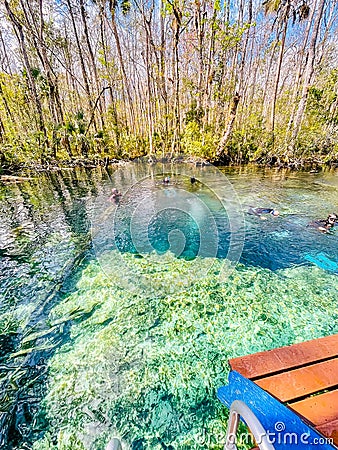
(81, 56)
(284, 11)
(123, 77)
(91, 57)
(228, 132)
(308, 73)
(113, 6)
(18, 28)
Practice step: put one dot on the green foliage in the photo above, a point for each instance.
(197, 142)
(23, 141)
(230, 36)
(319, 132)
(70, 127)
(323, 98)
(132, 146)
(146, 367)
(194, 114)
(251, 142)
(125, 6)
(40, 79)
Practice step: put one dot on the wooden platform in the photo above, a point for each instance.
(302, 376)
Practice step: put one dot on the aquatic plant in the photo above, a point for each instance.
(146, 367)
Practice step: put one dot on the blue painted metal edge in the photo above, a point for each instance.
(285, 429)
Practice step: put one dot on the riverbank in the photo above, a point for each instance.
(18, 172)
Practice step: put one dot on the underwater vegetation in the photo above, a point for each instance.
(144, 365)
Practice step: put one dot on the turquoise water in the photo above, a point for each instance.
(118, 317)
(207, 218)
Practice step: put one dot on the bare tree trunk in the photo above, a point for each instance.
(121, 60)
(252, 90)
(200, 32)
(157, 90)
(245, 47)
(82, 63)
(103, 38)
(308, 74)
(278, 72)
(332, 18)
(21, 38)
(2, 134)
(148, 64)
(177, 22)
(91, 58)
(6, 58)
(7, 108)
(266, 85)
(241, 83)
(72, 82)
(209, 68)
(56, 108)
(299, 74)
(164, 92)
(228, 132)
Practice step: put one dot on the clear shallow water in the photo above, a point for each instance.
(157, 341)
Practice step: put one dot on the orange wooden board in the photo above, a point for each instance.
(279, 359)
(330, 430)
(300, 382)
(319, 409)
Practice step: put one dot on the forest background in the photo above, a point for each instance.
(232, 82)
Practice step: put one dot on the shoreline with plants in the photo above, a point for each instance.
(12, 171)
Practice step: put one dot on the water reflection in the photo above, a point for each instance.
(44, 233)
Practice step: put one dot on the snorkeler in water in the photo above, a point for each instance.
(325, 225)
(261, 211)
(115, 194)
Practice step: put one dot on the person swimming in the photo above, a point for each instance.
(260, 211)
(115, 194)
(325, 225)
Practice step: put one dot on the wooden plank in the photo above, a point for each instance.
(279, 359)
(320, 409)
(330, 430)
(300, 382)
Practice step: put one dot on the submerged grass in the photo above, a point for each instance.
(146, 367)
